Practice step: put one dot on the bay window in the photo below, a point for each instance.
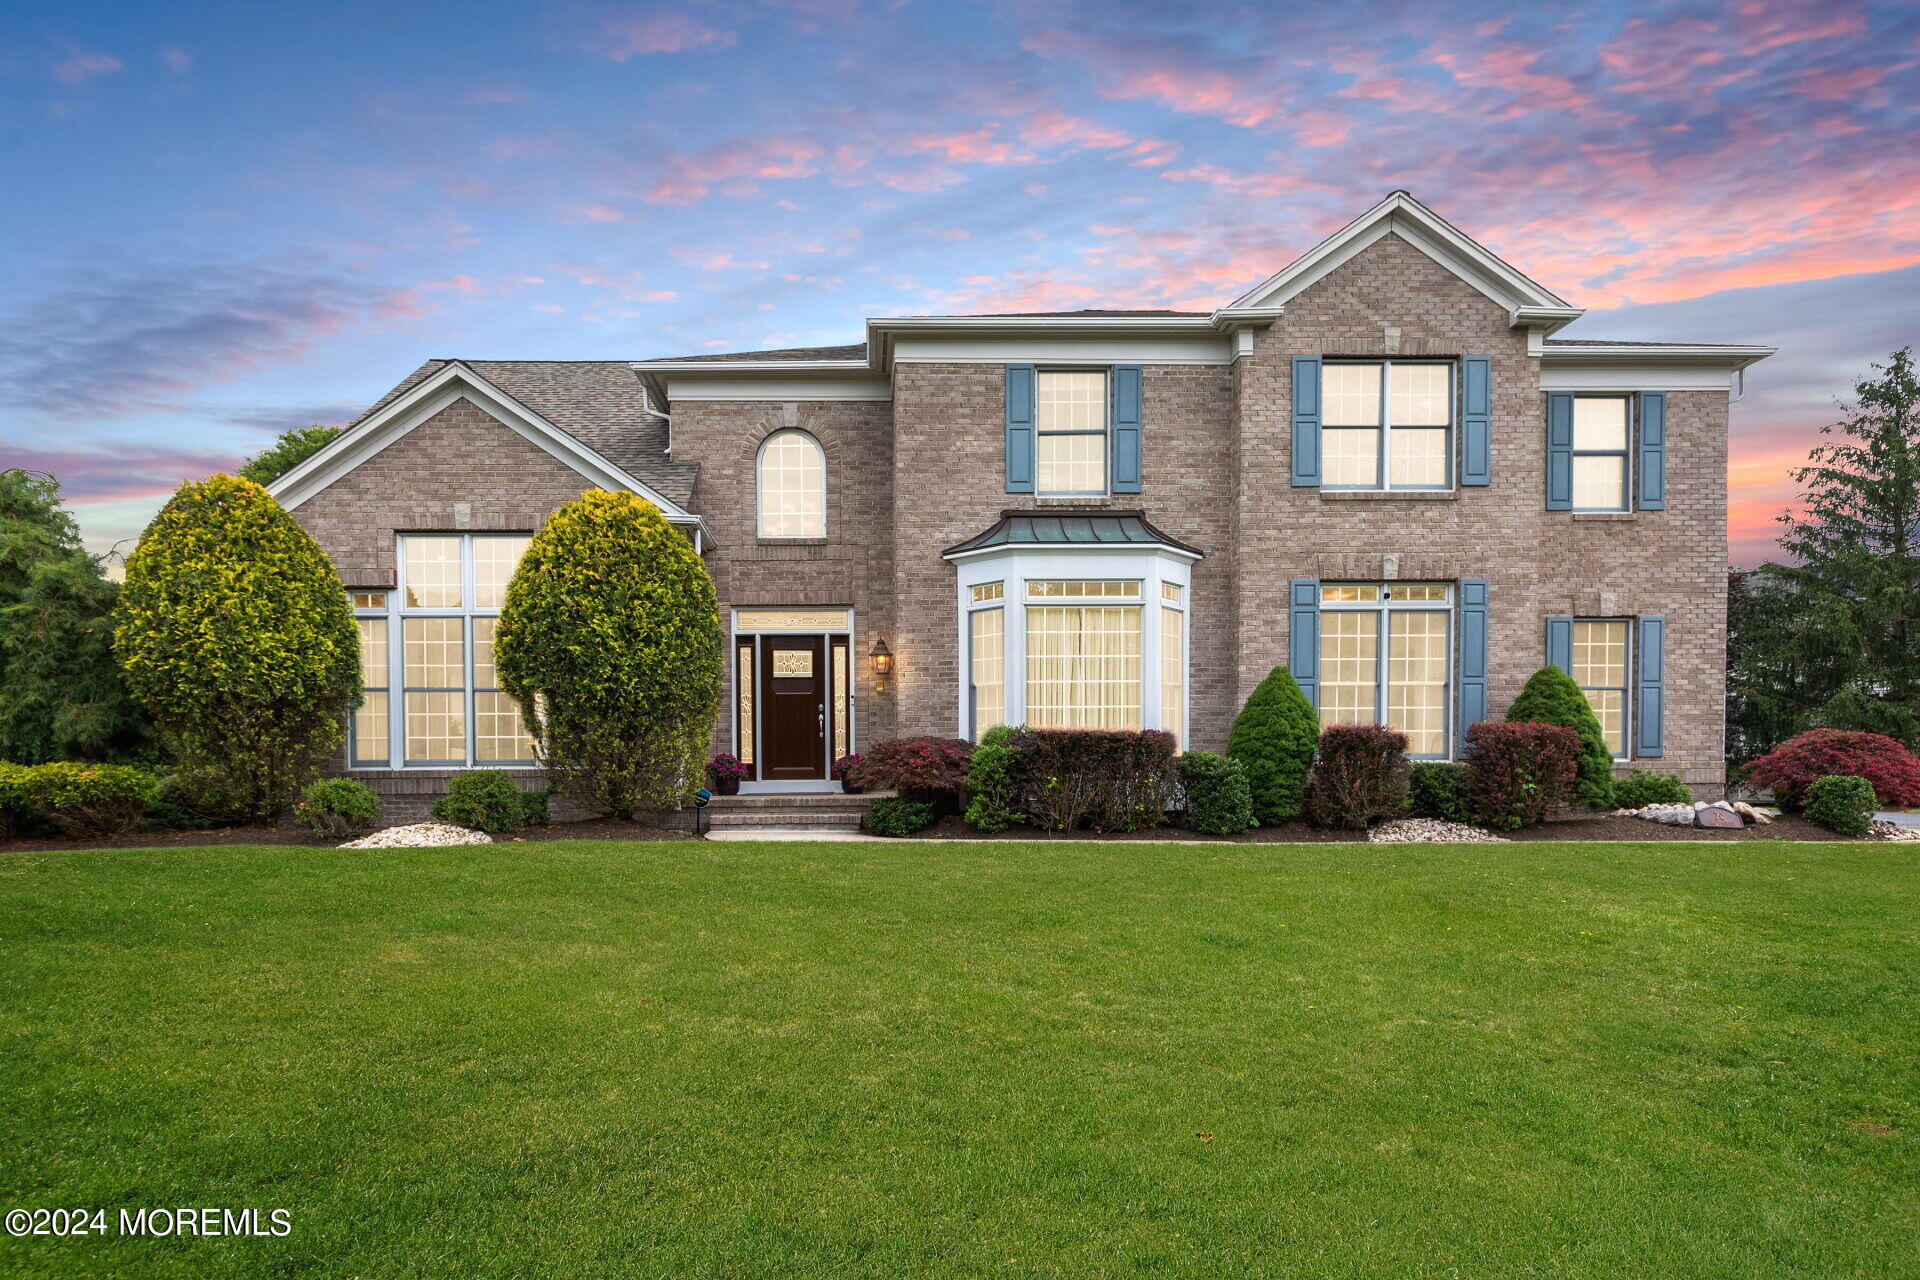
(1386, 658)
(1387, 424)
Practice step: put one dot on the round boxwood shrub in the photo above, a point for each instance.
(995, 781)
(610, 641)
(1792, 767)
(1360, 777)
(1642, 787)
(337, 807)
(1842, 803)
(1436, 789)
(235, 637)
(1219, 801)
(1551, 697)
(1274, 738)
(87, 800)
(897, 816)
(487, 800)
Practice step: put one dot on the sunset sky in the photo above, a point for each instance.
(223, 220)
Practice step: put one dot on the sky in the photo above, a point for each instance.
(218, 221)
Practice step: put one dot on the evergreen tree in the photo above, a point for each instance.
(1551, 697)
(1274, 738)
(287, 452)
(61, 696)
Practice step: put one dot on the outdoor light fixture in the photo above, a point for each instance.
(882, 659)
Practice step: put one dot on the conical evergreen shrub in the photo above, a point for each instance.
(1273, 738)
(1551, 697)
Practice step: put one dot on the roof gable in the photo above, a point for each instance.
(1526, 300)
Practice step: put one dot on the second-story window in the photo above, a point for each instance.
(793, 486)
(1070, 429)
(1387, 424)
(1601, 434)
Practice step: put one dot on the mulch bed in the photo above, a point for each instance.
(1602, 827)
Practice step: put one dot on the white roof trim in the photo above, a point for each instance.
(454, 382)
(1720, 355)
(1116, 549)
(1526, 300)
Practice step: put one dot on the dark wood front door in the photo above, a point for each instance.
(793, 713)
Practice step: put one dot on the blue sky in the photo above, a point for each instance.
(223, 220)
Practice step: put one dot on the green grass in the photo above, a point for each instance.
(690, 1060)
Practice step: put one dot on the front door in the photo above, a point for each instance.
(793, 714)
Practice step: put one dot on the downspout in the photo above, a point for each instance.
(646, 406)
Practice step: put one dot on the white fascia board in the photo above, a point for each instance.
(1208, 348)
(449, 385)
(1723, 355)
(683, 387)
(1678, 368)
(1084, 558)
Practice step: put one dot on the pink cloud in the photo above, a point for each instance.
(736, 166)
(178, 61)
(82, 65)
(128, 472)
(1838, 86)
(1769, 24)
(1159, 74)
(605, 213)
(661, 33)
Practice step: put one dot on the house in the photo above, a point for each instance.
(1378, 466)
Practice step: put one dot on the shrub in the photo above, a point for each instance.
(173, 810)
(1219, 801)
(1791, 768)
(1439, 790)
(1274, 738)
(997, 781)
(929, 769)
(1360, 777)
(898, 816)
(16, 811)
(235, 636)
(1106, 779)
(1842, 803)
(86, 800)
(1642, 787)
(727, 765)
(610, 641)
(1552, 697)
(337, 807)
(487, 800)
(1517, 772)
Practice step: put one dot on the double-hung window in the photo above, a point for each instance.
(1083, 654)
(1600, 667)
(1070, 433)
(1385, 658)
(1387, 424)
(431, 642)
(1602, 438)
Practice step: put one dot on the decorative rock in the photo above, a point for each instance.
(1431, 831)
(1751, 814)
(1674, 815)
(1893, 831)
(1717, 818)
(419, 835)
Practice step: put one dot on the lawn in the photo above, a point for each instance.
(821, 1060)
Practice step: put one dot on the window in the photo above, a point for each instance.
(1083, 667)
(986, 659)
(436, 632)
(1385, 657)
(1387, 424)
(1600, 669)
(793, 486)
(1070, 433)
(1173, 672)
(1601, 431)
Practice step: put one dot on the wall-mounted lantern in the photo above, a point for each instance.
(882, 659)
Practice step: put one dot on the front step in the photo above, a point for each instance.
(813, 811)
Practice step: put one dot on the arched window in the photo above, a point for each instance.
(793, 486)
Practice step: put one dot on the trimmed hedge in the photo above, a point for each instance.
(897, 816)
(1360, 777)
(487, 800)
(1642, 787)
(1792, 767)
(1517, 772)
(1439, 790)
(1552, 697)
(1274, 738)
(16, 811)
(235, 636)
(1218, 800)
(1104, 779)
(1842, 803)
(337, 807)
(88, 800)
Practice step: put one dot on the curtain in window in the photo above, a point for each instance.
(1083, 667)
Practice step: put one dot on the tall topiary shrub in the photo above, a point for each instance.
(234, 634)
(610, 642)
(1552, 697)
(1274, 738)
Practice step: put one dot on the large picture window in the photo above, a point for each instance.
(1385, 658)
(793, 486)
(1600, 669)
(1070, 433)
(1387, 424)
(436, 634)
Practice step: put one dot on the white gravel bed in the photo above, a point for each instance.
(419, 835)
(1430, 831)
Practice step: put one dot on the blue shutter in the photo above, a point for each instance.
(1653, 451)
(1473, 655)
(1019, 428)
(1649, 703)
(1306, 422)
(1476, 420)
(1126, 428)
(1560, 644)
(1303, 637)
(1559, 451)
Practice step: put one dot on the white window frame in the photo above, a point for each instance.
(1105, 432)
(1625, 453)
(396, 612)
(1383, 462)
(1382, 647)
(1625, 689)
(759, 488)
(1016, 566)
